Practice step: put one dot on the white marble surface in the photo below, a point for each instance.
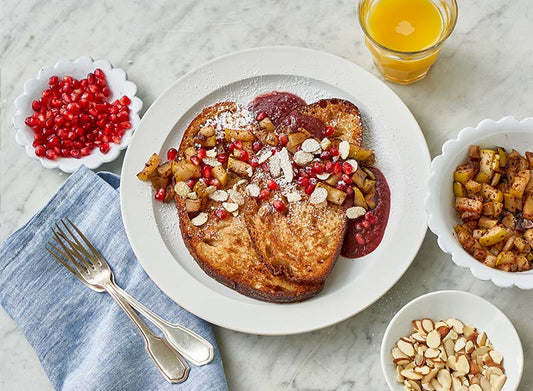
(484, 71)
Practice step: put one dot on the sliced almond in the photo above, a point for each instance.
(427, 387)
(418, 338)
(401, 361)
(325, 143)
(354, 212)
(419, 359)
(469, 347)
(481, 339)
(452, 334)
(452, 362)
(230, 206)
(311, 145)
(274, 165)
(462, 365)
(323, 176)
(444, 378)
(397, 353)
(301, 158)
(286, 165)
(318, 196)
(484, 383)
(459, 344)
(210, 190)
(428, 325)
(427, 378)
(293, 196)
(192, 195)
(182, 189)
(457, 325)
(405, 347)
(411, 374)
(211, 161)
(432, 353)
(413, 385)
(498, 383)
(264, 156)
(496, 356)
(219, 195)
(436, 385)
(433, 338)
(448, 347)
(468, 330)
(423, 370)
(344, 149)
(480, 351)
(399, 377)
(199, 220)
(443, 330)
(474, 368)
(474, 387)
(253, 190)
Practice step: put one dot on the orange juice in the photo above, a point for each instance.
(405, 36)
(405, 25)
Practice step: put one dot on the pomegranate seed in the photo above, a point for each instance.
(283, 140)
(53, 80)
(36, 105)
(337, 168)
(238, 144)
(328, 167)
(40, 151)
(334, 151)
(303, 173)
(221, 213)
(347, 178)
(341, 186)
(359, 239)
(85, 151)
(215, 182)
(365, 223)
(231, 148)
(244, 156)
(254, 162)
(75, 153)
(263, 194)
(256, 146)
(125, 100)
(318, 168)
(349, 191)
(206, 172)
(347, 168)
(325, 155)
(373, 220)
(304, 182)
(261, 116)
(99, 73)
(278, 205)
(195, 160)
(202, 153)
(104, 148)
(51, 154)
(309, 189)
(222, 158)
(272, 185)
(172, 153)
(191, 183)
(160, 194)
(368, 215)
(329, 131)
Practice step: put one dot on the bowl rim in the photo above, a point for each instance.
(445, 238)
(95, 159)
(384, 353)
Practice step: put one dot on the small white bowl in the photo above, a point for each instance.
(79, 68)
(508, 133)
(469, 309)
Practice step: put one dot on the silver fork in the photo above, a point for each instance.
(196, 349)
(90, 267)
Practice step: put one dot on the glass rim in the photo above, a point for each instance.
(423, 51)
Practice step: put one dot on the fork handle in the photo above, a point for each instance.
(169, 362)
(195, 348)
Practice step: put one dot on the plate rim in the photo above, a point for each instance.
(213, 314)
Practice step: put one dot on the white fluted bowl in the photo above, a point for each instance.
(79, 68)
(508, 133)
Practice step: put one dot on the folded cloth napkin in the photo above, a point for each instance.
(83, 339)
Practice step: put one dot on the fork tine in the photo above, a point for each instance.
(77, 245)
(96, 253)
(61, 237)
(60, 260)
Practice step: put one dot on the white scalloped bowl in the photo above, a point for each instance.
(79, 68)
(508, 133)
(468, 308)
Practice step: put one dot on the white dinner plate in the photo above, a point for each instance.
(390, 129)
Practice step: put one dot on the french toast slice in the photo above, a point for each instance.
(223, 247)
(303, 243)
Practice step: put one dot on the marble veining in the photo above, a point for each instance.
(484, 71)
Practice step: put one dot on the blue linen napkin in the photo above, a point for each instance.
(82, 338)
